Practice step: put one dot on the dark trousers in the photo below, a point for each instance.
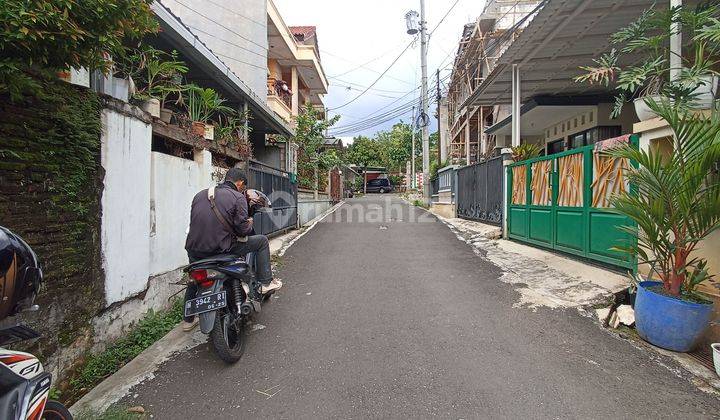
(256, 243)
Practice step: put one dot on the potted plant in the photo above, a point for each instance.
(676, 204)
(154, 76)
(202, 104)
(649, 36)
(161, 75)
(233, 132)
(675, 199)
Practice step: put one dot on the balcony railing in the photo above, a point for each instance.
(276, 88)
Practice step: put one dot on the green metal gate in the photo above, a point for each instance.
(561, 202)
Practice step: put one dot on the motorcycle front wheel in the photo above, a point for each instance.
(228, 337)
(56, 411)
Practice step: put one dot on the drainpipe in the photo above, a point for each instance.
(675, 44)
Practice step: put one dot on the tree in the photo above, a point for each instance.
(364, 151)
(310, 137)
(43, 36)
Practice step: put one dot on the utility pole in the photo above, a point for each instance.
(425, 133)
(439, 98)
(412, 29)
(413, 179)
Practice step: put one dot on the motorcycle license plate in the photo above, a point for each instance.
(205, 303)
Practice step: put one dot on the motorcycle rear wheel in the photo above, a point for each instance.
(228, 337)
(56, 411)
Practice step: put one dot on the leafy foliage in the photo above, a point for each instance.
(677, 203)
(156, 73)
(525, 151)
(649, 37)
(233, 131)
(60, 34)
(204, 104)
(312, 159)
(149, 330)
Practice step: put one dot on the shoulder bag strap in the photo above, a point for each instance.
(223, 221)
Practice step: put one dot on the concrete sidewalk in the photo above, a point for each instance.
(542, 278)
(141, 368)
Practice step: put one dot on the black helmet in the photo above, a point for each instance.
(20, 274)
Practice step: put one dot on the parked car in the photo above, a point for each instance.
(379, 185)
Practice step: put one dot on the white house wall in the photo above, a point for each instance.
(235, 30)
(125, 230)
(175, 181)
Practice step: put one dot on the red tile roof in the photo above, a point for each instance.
(303, 32)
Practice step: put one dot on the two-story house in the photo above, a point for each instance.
(295, 77)
(279, 64)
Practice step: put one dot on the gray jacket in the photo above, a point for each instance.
(207, 234)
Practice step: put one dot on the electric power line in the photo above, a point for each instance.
(379, 77)
(263, 47)
(264, 25)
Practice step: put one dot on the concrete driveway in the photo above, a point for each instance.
(386, 314)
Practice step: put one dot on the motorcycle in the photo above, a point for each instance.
(228, 293)
(227, 297)
(24, 384)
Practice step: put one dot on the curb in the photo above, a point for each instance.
(113, 388)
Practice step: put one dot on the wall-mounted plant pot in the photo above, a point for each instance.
(642, 109)
(198, 128)
(209, 132)
(166, 115)
(705, 93)
(668, 322)
(152, 107)
(716, 356)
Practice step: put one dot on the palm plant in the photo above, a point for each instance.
(162, 77)
(157, 74)
(649, 36)
(525, 151)
(204, 103)
(677, 201)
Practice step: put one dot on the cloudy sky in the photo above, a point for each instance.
(360, 39)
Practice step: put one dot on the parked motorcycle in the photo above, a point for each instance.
(24, 385)
(227, 296)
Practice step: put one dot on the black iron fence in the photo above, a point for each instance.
(434, 186)
(277, 185)
(480, 191)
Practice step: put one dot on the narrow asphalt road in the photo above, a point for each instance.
(385, 314)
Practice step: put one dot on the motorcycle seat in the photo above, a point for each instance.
(215, 259)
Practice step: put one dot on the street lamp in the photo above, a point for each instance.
(411, 20)
(412, 29)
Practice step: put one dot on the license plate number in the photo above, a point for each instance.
(205, 303)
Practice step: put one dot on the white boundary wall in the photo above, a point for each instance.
(145, 215)
(125, 229)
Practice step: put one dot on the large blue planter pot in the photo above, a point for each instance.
(667, 322)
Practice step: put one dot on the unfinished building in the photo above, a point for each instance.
(481, 43)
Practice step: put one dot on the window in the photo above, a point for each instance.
(593, 135)
(556, 146)
(374, 183)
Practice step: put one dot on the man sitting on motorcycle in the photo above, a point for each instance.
(226, 229)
